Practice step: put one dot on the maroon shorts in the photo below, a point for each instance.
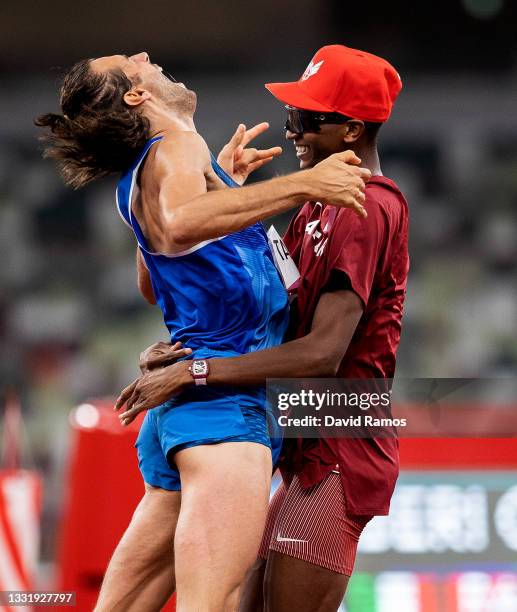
(312, 525)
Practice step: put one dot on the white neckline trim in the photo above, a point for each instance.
(117, 202)
(192, 249)
(196, 247)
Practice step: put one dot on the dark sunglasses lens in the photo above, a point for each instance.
(299, 121)
(294, 123)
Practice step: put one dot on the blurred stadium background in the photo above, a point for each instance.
(72, 323)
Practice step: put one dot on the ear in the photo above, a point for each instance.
(353, 130)
(136, 96)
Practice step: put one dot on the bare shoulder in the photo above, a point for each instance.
(181, 151)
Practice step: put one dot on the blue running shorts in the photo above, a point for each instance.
(202, 415)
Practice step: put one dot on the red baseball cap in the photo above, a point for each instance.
(342, 80)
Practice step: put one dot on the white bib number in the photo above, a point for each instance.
(283, 261)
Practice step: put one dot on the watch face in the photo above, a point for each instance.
(199, 368)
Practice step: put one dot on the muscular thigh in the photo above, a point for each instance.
(231, 478)
(154, 521)
(225, 490)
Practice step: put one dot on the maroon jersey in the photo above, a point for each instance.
(373, 256)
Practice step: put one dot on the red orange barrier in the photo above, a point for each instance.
(458, 453)
(104, 487)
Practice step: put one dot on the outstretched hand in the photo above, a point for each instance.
(239, 162)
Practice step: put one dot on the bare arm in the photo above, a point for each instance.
(188, 215)
(222, 212)
(144, 278)
(318, 354)
(175, 175)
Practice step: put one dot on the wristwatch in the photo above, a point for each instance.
(199, 371)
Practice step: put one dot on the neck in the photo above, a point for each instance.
(369, 158)
(163, 120)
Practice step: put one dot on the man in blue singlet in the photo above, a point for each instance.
(222, 297)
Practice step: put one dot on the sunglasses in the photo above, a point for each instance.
(299, 121)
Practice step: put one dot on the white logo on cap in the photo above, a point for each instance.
(311, 70)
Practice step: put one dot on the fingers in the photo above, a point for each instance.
(365, 174)
(349, 157)
(159, 360)
(354, 198)
(255, 131)
(360, 210)
(238, 137)
(136, 404)
(238, 152)
(167, 350)
(272, 152)
(161, 354)
(157, 347)
(342, 167)
(125, 395)
(258, 164)
(129, 416)
(352, 201)
(250, 156)
(227, 153)
(358, 198)
(131, 401)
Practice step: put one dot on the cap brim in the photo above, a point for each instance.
(293, 95)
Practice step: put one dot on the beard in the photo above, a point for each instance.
(175, 95)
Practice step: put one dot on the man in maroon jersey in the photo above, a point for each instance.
(347, 323)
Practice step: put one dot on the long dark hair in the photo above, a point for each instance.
(97, 134)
